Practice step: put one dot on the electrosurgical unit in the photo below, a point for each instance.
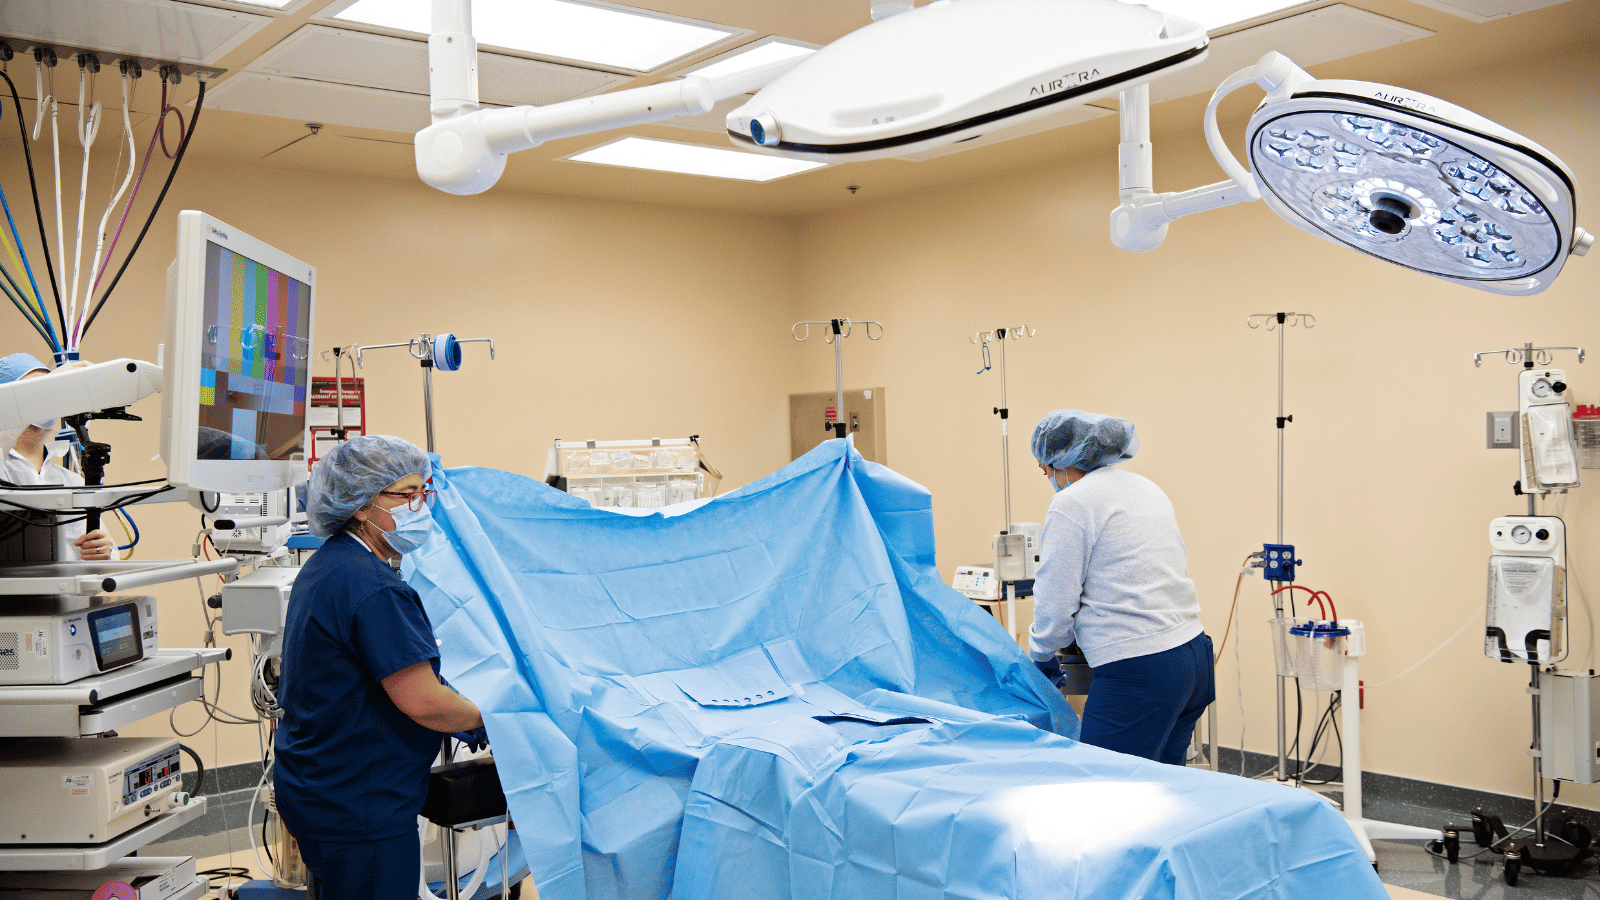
(62, 790)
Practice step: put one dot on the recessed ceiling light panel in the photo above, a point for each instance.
(750, 56)
(692, 159)
(601, 35)
(950, 71)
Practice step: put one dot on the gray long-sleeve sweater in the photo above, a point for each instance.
(1112, 572)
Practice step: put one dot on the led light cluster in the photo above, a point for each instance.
(1404, 194)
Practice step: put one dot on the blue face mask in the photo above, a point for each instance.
(411, 529)
(1052, 479)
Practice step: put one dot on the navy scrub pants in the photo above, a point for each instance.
(356, 870)
(1147, 705)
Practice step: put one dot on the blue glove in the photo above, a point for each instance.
(476, 739)
(1051, 669)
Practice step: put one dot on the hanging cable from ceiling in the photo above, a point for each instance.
(131, 72)
(168, 72)
(88, 130)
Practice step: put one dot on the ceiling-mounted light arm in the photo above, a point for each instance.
(464, 150)
(1140, 223)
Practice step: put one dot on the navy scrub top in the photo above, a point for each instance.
(350, 765)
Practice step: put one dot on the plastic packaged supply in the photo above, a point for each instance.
(577, 464)
(651, 496)
(680, 490)
(621, 496)
(663, 459)
(588, 493)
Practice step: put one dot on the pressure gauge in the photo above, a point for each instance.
(1521, 534)
(1541, 388)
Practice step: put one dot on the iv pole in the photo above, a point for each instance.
(1537, 850)
(430, 352)
(1281, 322)
(838, 330)
(999, 336)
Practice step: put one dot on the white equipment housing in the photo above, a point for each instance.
(49, 647)
(1569, 726)
(1549, 439)
(1525, 620)
(151, 877)
(977, 582)
(62, 790)
(1016, 553)
(948, 72)
(243, 511)
(68, 392)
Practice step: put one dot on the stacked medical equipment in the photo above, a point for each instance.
(641, 474)
(84, 655)
(1525, 618)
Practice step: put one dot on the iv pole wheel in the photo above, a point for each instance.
(1513, 867)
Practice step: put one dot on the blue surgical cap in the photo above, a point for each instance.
(353, 473)
(1087, 441)
(17, 365)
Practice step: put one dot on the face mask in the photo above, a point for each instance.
(1052, 478)
(48, 426)
(411, 529)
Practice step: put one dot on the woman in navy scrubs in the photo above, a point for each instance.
(363, 705)
(1113, 578)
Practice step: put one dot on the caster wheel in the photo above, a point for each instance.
(1452, 846)
(1513, 868)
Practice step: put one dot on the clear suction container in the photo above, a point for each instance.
(1312, 651)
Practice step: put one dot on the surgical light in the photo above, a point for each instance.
(1400, 176)
(691, 159)
(1397, 175)
(947, 72)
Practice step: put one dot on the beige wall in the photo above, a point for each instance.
(610, 321)
(1389, 490)
(619, 321)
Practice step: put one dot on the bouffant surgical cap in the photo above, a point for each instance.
(17, 365)
(1070, 438)
(353, 473)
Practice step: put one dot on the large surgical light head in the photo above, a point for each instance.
(1418, 182)
(948, 72)
(1400, 176)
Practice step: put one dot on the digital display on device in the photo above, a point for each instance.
(255, 365)
(114, 632)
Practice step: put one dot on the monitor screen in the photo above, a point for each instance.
(237, 364)
(254, 372)
(115, 632)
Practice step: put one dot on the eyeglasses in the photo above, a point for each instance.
(415, 500)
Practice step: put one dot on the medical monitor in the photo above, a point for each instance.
(237, 364)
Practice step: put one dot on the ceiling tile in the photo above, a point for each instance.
(1333, 32)
(145, 29)
(343, 56)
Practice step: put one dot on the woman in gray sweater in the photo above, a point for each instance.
(1113, 579)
